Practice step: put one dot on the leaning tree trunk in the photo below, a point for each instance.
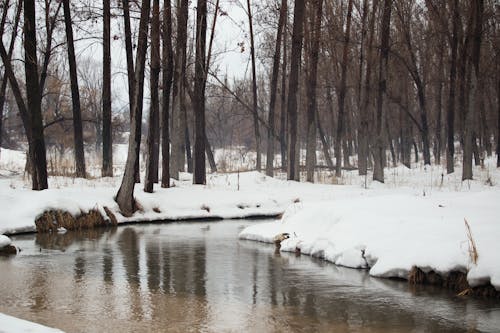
(254, 91)
(167, 73)
(5, 79)
(311, 92)
(75, 95)
(125, 196)
(199, 176)
(107, 143)
(342, 94)
(153, 140)
(379, 151)
(293, 85)
(130, 71)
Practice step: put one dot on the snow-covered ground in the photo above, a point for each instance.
(415, 219)
(15, 325)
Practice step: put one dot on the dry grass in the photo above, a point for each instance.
(473, 254)
(51, 220)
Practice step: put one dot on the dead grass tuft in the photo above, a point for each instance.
(51, 220)
(473, 254)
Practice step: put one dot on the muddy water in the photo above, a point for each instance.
(199, 277)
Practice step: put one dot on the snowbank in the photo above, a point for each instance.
(4, 241)
(390, 233)
(16, 325)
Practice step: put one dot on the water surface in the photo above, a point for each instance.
(198, 277)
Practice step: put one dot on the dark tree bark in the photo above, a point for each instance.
(130, 71)
(293, 85)
(273, 89)
(498, 120)
(50, 24)
(36, 139)
(167, 73)
(153, 140)
(477, 8)
(283, 117)
(199, 94)
(178, 124)
(311, 90)
(125, 196)
(254, 90)
(364, 118)
(75, 95)
(342, 95)
(379, 151)
(107, 143)
(450, 112)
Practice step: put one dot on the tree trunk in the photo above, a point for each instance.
(125, 196)
(167, 73)
(199, 176)
(178, 124)
(36, 141)
(498, 120)
(364, 117)
(311, 90)
(379, 153)
(153, 140)
(477, 26)
(283, 117)
(325, 145)
(273, 89)
(450, 113)
(293, 85)
(130, 72)
(254, 91)
(75, 95)
(342, 95)
(107, 143)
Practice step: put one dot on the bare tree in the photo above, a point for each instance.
(125, 196)
(273, 89)
(167, 73)
(153, 140)
(293, 85)
(107, 143)
(75, 95)
(379, 151)
(199, 93)
(311, 88)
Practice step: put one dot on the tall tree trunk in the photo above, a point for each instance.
(273, 89)
(283, 117)
(36, 139)
(167, 73)
(293, 85)
(379, 153)
(130, 72)
(450, 112)
(178, 124)
(325, 145)
(498, 120)
(477, 8)
(342, 95)
(125, 196)
(311, 91)
(153, 141)
(364, 116)
(439, 106)
(199, 176)
(254, 90)
(75, 95)
(107, 143)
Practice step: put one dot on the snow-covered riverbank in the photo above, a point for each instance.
(415, 219)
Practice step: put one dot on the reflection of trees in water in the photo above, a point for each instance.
(129, 246)
(79, 270)
(107, 264)
(153, 263)
(61, 241)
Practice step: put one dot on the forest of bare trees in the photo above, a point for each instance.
(371, 83)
